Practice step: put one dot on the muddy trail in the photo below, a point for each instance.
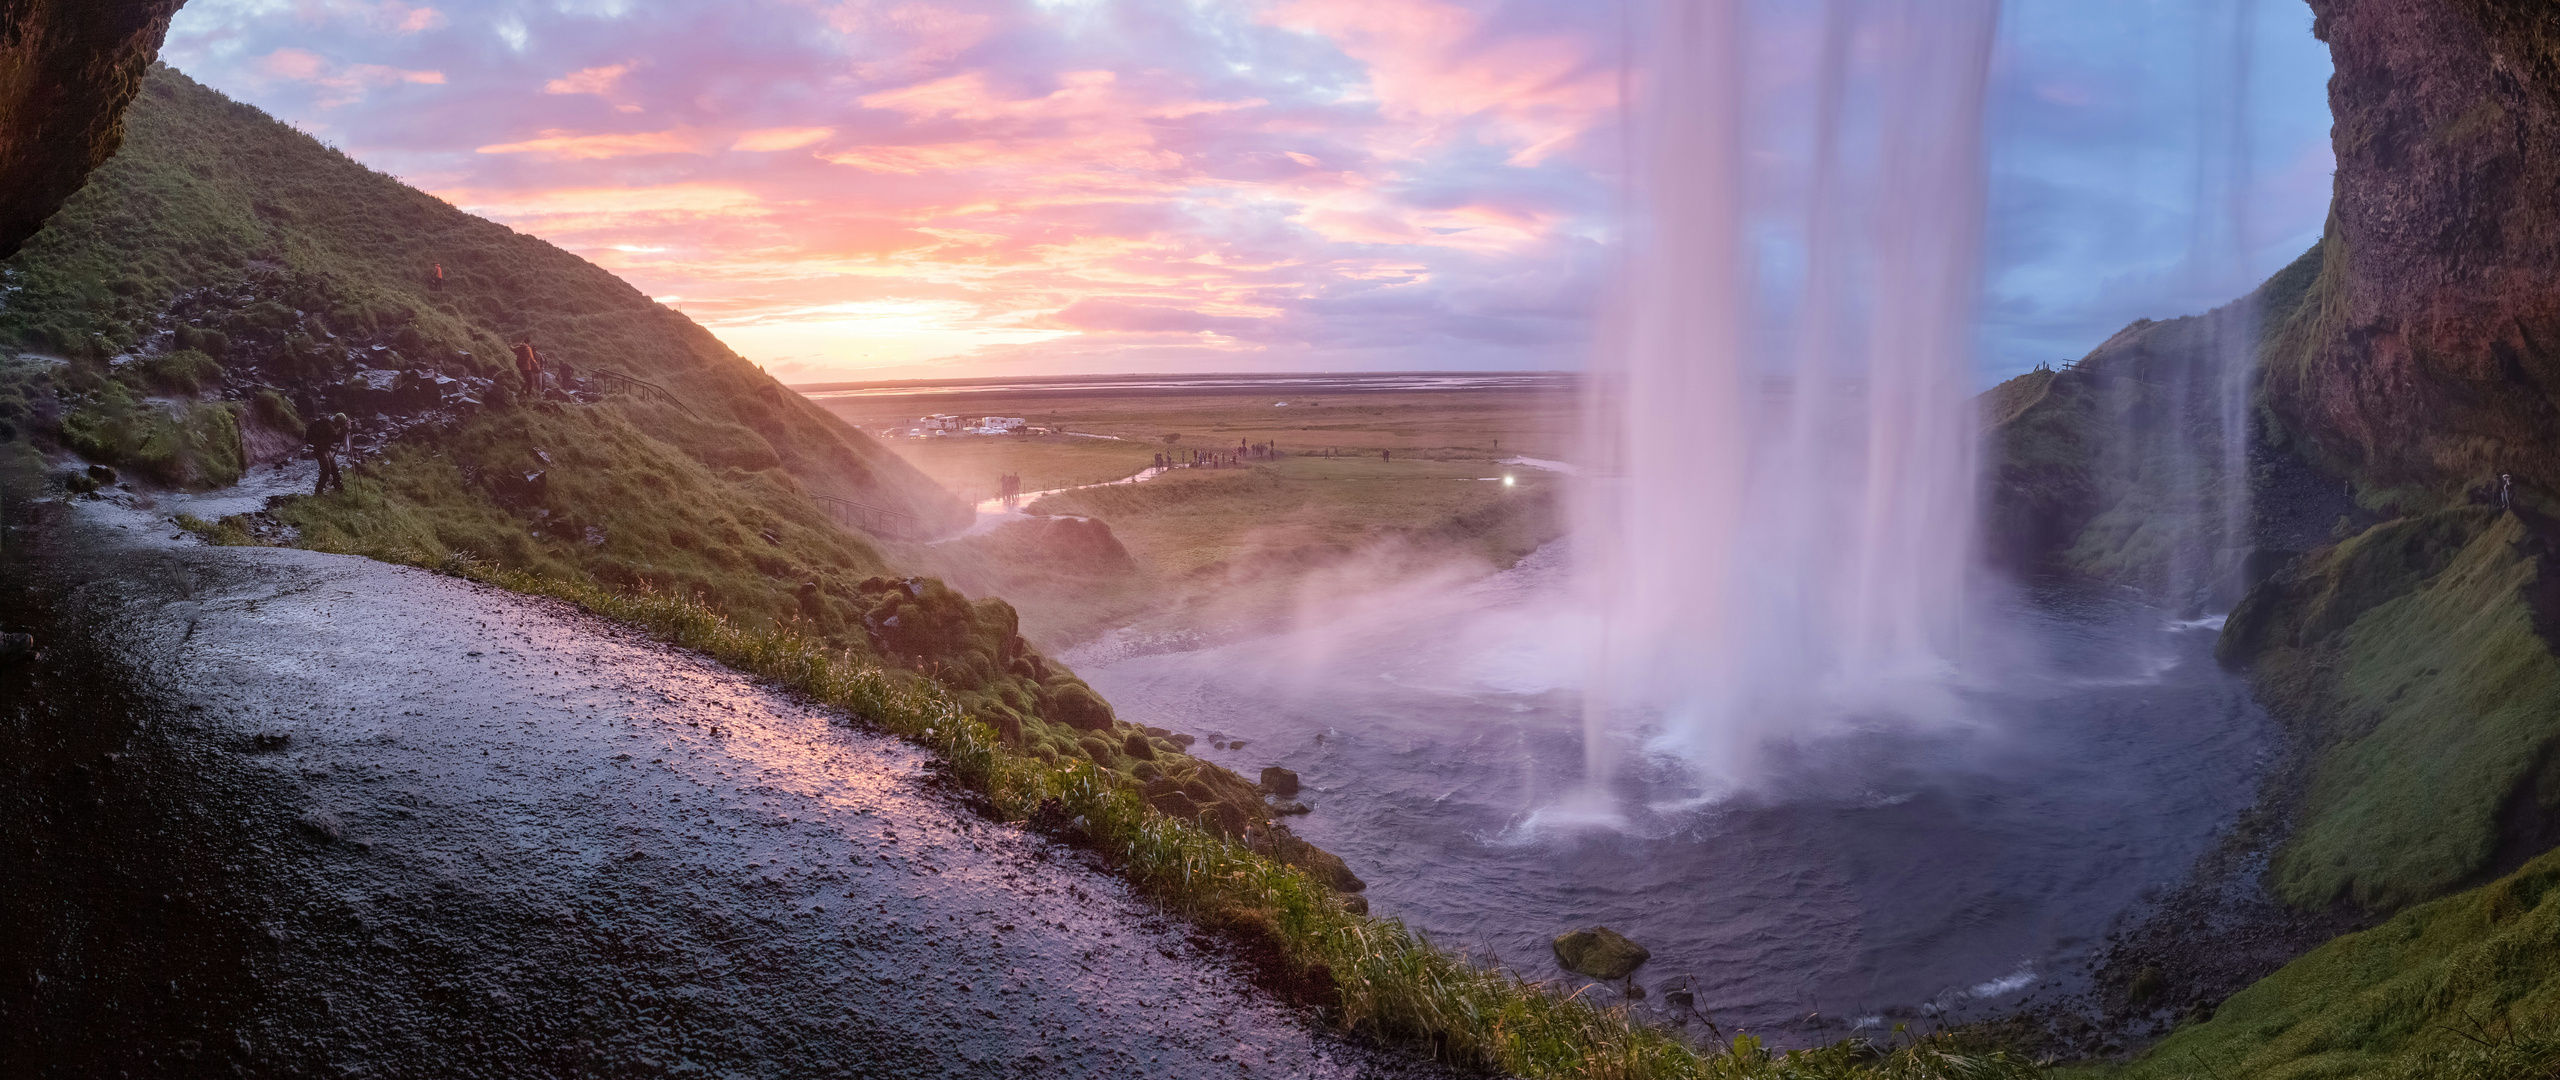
(274, 812)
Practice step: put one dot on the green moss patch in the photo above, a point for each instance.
(2462, 988)
(2407, 660)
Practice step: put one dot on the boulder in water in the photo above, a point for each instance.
(1279, 781)
(1600, 953)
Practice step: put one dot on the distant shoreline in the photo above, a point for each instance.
(1258, 383)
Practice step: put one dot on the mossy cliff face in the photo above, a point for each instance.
(2410, 662)
(67, 69)
(2433, 355)
(2448, 990)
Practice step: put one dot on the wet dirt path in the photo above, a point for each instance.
(284, 812)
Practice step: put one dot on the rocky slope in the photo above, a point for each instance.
(2433, 354)
(67, 68)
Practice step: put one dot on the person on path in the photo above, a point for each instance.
(435, 282)
(2506, 491)
(529, 366)
(324, 435)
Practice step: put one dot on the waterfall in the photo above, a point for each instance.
(1779, 528)
(2178, 394)
(2236, 345)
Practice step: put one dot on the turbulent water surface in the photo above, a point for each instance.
(1879, 874)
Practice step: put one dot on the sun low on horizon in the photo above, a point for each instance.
(863, 190)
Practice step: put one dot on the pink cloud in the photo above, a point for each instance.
(768, 140)
(594, 80)
(564, 145)
(923, 181)
(344, 83)
(914, 37)
(1437, 64)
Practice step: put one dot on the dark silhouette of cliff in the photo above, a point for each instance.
(67, 70)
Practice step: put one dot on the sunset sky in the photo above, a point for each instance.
(852, 189)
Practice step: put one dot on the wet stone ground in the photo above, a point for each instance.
(272, 812)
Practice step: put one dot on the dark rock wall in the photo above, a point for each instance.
(67, 70)
(2431, 356)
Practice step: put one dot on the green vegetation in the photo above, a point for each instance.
(1191, 521)
(1406, 483)
(2462, 988)
(2407, 656)
(1452, 424)
(2406, 661)
(1218, 549)
(221, 247)
(108, 415)
(1367, 974)
(2110, 469)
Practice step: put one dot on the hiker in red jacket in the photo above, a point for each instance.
(529, 365)
(435, 283)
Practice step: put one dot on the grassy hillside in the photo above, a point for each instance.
(2463, 988)
(218, 229)
(224, 276)
(2409, 660)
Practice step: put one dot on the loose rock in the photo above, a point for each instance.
(1600, 953)
(1279, 781)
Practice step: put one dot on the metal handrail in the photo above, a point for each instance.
(617, 381)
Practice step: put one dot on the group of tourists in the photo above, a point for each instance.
(1206, 459)
(1200, 459)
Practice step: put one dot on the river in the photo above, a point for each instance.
(1871, 879)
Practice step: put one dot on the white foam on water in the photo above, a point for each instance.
(2002, 986)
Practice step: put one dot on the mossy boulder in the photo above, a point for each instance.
(1322, 865)
(1077, 706)
(1098, 750)
(1600, 953)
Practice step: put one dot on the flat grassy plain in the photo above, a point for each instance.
(1377, 483)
